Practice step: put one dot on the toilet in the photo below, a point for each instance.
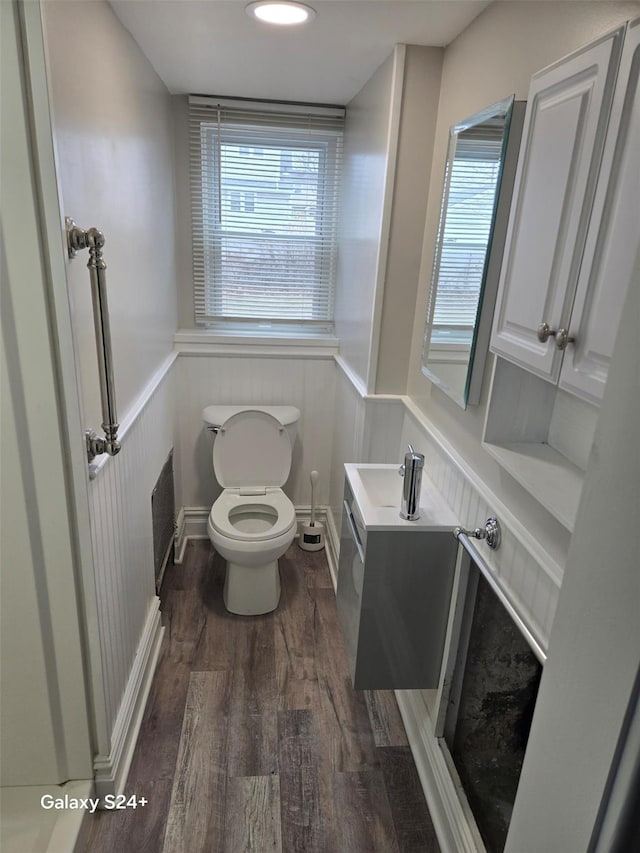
(253, 522)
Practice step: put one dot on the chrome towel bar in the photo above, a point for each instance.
(93, 240)
(491, 533)
(472, 550)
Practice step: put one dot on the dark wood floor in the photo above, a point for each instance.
(253, 739)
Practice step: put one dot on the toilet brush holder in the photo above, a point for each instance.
(311, 536)
(312, 533)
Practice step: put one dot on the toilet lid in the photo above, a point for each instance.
(252, 450)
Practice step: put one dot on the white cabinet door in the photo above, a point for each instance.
(562, 142)
(613, 239)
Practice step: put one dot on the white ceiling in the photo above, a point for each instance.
(214, 47)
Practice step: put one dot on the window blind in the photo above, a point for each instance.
(466, 220)
(264, 189)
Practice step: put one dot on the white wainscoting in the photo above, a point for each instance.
(122, 539)
(266, 379)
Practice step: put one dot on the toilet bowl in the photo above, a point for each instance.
(253, 522)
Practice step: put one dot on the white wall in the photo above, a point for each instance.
(366, 147)
(412, 176)
(519, 38)
(113, 127)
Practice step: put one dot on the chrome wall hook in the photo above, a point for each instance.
(491, 533)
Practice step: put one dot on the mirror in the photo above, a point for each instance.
(478, 182)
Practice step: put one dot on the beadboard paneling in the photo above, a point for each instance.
(121, 532)
(205, 379)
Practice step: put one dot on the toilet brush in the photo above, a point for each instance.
(312, 534)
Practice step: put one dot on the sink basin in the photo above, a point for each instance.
(383, 485)
(377, 490)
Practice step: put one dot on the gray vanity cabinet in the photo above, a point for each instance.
(394, 591)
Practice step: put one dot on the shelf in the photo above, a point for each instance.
(545, 473)
(542, 436)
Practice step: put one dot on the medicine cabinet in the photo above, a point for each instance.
(571, 246)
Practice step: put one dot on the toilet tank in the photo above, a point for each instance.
(215, 416)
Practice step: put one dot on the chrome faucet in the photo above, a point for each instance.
(411, 470)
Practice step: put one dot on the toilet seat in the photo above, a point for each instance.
(231, 500)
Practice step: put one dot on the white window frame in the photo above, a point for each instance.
(207, 218)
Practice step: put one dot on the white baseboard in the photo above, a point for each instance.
(179, 540)
(192, 524)
(455, 829)
(111, 770)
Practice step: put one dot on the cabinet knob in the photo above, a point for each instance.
(561, 335)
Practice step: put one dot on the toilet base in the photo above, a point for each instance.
(251, 590)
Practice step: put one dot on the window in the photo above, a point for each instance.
(264, 189)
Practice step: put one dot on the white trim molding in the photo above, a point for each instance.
(210, 342)
(353, 377)
(192, 524)
(267, 105)
(454, 825)
(131, 418)
(111, 770)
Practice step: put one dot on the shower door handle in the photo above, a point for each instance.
(93, 240)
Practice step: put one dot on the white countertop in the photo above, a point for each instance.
(377, 496)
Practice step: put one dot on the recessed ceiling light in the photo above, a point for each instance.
(281, 12)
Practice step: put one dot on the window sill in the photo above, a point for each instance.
(234, 342)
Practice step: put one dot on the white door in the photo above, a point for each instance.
(613, 238)
(562, 142)
(45, 657)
